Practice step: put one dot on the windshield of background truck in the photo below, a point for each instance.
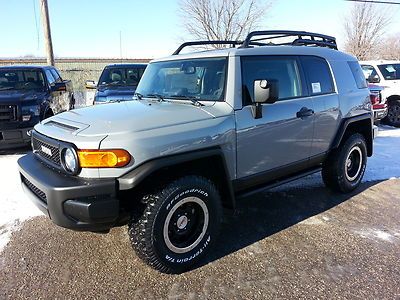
(390, 71)
(21, 80)
(200, 79)
(121, 76)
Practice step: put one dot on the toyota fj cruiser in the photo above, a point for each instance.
(205, 128)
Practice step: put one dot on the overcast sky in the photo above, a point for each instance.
(148, 28)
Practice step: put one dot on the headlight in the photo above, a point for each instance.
(100, 99)
(109, 158)
(31, 110)
(70, 160)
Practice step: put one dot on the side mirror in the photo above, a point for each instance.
(91, 84)
(265, 91)
(373, 79)
(59, 86)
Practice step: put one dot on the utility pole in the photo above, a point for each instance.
(47, 33)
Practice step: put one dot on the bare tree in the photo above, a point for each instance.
(365, 27)
(390, 48)
(222, 19)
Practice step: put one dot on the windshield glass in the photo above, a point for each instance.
(121, 76)
(200, 79)
(21, 80)
(390, 71)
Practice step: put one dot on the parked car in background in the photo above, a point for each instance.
(29, 94)
(387, 75)
(117, 82)
(378, 102)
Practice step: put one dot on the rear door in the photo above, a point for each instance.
(321, 88)
(282, 137)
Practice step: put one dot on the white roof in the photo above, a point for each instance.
(379, 62)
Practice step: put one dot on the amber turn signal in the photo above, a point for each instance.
(103, 158)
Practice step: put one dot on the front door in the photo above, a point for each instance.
(283, 135)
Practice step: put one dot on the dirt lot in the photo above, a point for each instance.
(299, 243)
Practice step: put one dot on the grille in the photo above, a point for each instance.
(8, 113)
(38, 192)
(46, 150)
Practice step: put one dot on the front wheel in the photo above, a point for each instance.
(393, 116)
(345, 166)
(179, 224)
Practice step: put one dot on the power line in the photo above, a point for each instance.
(36, 23)
(374, 1)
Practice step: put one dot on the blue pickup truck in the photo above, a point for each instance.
(117, 82)
(29, 94)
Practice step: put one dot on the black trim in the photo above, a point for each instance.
(283, 180)
(345, 123)
(71, 202)
(133, 178)
(268, 176)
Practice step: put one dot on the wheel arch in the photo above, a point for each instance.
(362, 124)
(393, 98)
(209, 163)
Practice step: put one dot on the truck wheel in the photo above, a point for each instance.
(393, 116)
(345, 166)
(179, 224)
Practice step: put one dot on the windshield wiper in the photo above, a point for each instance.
(139, 96)
(190, 98)
(158, 96)
(6, 88)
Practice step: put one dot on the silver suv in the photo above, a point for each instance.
(204, 128)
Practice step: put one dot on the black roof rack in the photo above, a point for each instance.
(302, 38)
(199, 43)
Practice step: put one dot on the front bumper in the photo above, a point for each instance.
(379, 114)
(70, 202)
(14, 138)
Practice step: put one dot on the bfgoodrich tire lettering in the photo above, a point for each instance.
(179, 224)
(345, 166)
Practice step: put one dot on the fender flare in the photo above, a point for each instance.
(346, 123)
(134, 177)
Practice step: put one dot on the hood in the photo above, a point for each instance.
(112, 93)
(135, 116)
(19, 96)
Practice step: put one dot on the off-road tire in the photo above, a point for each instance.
(147, 232)
(393, 116)
(345, 166)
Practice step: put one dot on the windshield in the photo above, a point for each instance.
(21, 80)
(121, 76)
(390, 71)
(200, 79)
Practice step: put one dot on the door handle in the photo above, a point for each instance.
(304, 112)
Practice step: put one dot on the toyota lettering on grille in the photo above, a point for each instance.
(46, 150)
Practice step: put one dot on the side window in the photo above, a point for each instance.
(284, 70)
(319, 75)
(56, 75)
(49, 76)
(358, 74)
(141, 71)
(132, 76)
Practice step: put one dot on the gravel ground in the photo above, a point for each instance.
(299, 243)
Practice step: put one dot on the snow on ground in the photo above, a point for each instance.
(15, 207)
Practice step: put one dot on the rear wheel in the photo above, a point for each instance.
(179, 224)
(393, 116)
(345, 166)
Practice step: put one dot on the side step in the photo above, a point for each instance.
(276, 183)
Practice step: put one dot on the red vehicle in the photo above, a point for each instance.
(379, 103)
